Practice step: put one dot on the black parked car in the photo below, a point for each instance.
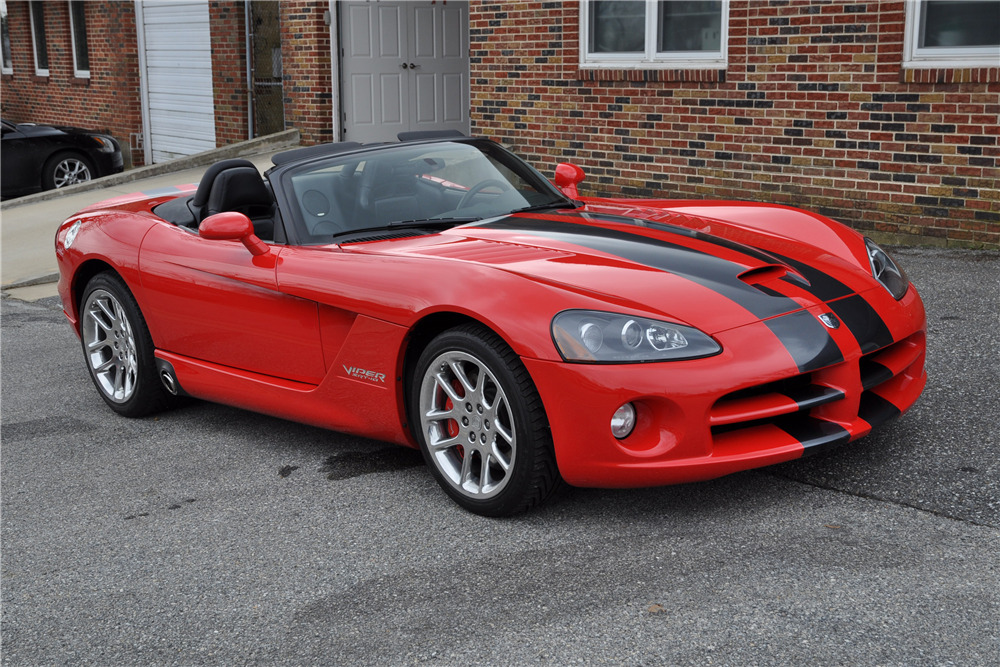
(42, 157)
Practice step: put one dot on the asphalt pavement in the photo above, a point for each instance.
(213, 536)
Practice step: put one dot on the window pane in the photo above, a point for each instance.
(617, 27)
(945, 23)
(8, 60)
(38, 25)
(79, 35)
(689, 26)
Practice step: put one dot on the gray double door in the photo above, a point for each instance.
(404, 67)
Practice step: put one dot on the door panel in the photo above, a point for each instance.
(453, 111)
(425, 110)
(425, 37)
(214, 301)
(375, 89)
(393, 96)
(391, 32)
(363, 96)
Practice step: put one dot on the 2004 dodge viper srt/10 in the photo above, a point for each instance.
(440, 293)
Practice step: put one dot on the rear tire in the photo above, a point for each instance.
(118, 349)
(480, 423)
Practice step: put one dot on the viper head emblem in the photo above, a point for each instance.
(829, 320)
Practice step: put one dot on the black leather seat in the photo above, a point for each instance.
(237, 186)
(388, 193)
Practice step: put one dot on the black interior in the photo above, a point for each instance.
(229, 185)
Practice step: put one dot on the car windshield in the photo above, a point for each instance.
(431, 185)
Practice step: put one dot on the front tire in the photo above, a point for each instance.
(118, 349)
(63, 169)
(480, 423)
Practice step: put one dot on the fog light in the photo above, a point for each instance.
(623, 421)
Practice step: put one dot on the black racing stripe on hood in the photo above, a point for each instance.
(865, 323)
(822, 285)
(808, 341)
(719, 275)
(749, 251)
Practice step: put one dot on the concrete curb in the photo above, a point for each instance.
(271, 142)
(31, 282)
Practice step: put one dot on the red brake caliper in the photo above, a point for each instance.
(453, 428)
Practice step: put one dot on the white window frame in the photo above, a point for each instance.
(6, 68)
(77, 72)
(652, 59)
(34, 42)
(959, 57)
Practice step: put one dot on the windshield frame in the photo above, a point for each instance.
(281, 178)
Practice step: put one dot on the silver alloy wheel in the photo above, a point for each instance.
(70, 171)
(109, 345)
(468, 424)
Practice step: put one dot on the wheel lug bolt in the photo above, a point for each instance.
(486, 424)
(468, 407)
(472, 436)
(480, 409)
(465, 421)
(483, 438)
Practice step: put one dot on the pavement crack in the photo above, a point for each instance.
(882, 499)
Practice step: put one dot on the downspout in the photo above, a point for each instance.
(248, 41)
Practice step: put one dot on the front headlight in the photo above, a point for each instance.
(886, 271)
(105, 144)
(593, 336)
(71, 233)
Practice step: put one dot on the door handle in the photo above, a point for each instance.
(409, 65)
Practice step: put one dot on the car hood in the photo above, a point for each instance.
(643, 265)
(36, 130)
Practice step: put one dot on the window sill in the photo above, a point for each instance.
(709, 75)
(79, 81)
(912, 73)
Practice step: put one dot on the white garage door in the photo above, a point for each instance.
(177, 77)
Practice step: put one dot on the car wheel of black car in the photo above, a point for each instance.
(119, 349)
(66, 168)
(480, 423)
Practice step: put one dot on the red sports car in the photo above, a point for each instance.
(440, 293)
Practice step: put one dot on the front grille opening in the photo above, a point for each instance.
(770, 403)
(788, 387)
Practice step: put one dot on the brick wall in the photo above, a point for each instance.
(813, 110)
(307, 78)
(229, 71)
(108, 101)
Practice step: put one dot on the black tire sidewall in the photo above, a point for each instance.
(532, 433)
(149, 396)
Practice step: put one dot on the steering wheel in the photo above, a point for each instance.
(480, 186)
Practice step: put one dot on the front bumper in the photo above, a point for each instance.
(748, 407)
